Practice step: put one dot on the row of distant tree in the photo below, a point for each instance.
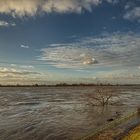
(66, 84)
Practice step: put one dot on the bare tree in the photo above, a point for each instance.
(103, 95)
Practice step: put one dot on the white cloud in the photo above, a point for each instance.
(133, 14)
(3, 23)
(13, 75)
(13, 65)
(118, 49)
(62, 6)
(22, 8)
(15, 72)
(6, 24)
(89, 61)
(67, 56)
(24, 46)
(23, 66)
(19, 7)
(10, 75)
(26, 66)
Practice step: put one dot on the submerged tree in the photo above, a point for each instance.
(103, 96)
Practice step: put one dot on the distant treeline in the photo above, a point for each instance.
(66, 84)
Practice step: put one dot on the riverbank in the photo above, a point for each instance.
(134, 134)
(120, 131)
(129, 130)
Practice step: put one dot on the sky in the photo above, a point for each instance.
(72, 41)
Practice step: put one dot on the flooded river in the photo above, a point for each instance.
(57, 113)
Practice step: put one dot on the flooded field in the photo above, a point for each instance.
(58, 113)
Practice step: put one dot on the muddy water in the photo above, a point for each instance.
(57, 113)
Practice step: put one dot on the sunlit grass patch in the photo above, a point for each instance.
(134, 134)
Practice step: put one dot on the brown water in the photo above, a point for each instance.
(57, 113)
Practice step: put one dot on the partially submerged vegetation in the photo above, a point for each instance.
(108, 95)
(103, 96)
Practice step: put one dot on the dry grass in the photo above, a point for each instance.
(134, 134)
(108, 134)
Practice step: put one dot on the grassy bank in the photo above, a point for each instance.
(134, 134)
(112, 129)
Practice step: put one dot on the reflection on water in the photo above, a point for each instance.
(56, 113)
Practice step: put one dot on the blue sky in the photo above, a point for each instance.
(51, 41)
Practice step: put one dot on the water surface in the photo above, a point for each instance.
(57, 113)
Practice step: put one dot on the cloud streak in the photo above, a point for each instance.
(117, 49)
(67, 56)
(24, 46)
(14, 72)
(23, 66)
(6, 24)
(9, 75)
